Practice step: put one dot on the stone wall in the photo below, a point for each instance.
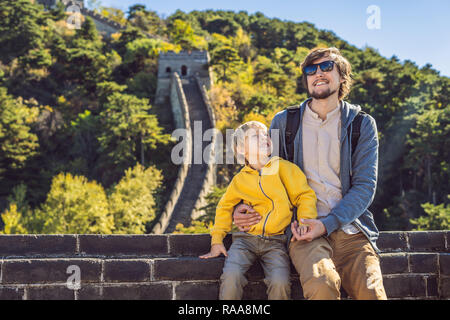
(415, 265)
(182, 121)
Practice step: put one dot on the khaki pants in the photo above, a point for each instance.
(327, 262)
(243, 252)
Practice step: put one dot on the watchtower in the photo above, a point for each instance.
(186, 64)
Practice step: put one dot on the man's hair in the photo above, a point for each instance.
(239, 135)
(344, 68)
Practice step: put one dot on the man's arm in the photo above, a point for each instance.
(364, 180)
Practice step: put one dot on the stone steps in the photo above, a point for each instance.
(196, 176)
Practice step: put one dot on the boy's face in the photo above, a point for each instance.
(258, 146)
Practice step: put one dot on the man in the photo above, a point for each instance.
(340, 246)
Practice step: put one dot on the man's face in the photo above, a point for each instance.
(321, 85)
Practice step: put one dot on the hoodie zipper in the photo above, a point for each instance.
(268, 214)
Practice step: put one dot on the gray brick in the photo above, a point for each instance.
(401, 286)
(432, 286)
(11, 293)
(31, 271)
(444, 287)
(89, 292)
(392, 241)
(444, 263)
(149, 291)
(50, 293)
(37, 245)
(126, 270)
(426, 240)
(188, 269)
(423, 262)
(197, 291)
(189, 245)
(393, 263)
(123, 245)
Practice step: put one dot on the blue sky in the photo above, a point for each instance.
(417, 30)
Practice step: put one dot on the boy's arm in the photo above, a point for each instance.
(224, 213)
(300, 193)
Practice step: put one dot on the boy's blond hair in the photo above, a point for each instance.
(239, 136)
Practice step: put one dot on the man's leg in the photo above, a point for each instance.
(359, 266)
(240, 258)
(277, 270)
(318, 275)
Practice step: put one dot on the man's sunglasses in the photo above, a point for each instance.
(325, 66)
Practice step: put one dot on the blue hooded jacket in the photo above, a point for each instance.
(358, 174)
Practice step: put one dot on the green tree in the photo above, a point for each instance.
(127, 128)
(75, 205)
(437, 217)
(132, 200)
(181, 33)
(429, 147)
(17, 141)
(227, 61)
(20, 28)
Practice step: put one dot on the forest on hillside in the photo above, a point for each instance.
(84, 149)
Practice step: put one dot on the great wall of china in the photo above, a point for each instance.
(415, 265)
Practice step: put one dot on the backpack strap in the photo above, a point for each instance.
(292, 124)
(356, 129)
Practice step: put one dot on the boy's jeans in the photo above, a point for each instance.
(326, 262)
(243, 252)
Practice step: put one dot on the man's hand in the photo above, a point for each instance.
(244, 216)
(315, 229)
(216, 250)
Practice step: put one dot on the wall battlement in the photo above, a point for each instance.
(415, 265)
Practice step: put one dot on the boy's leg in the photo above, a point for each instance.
(277, 271)
(318, 275)
(359, 266)
(240, 258)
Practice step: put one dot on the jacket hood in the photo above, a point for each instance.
(348, 113)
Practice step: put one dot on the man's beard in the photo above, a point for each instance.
(323, 95)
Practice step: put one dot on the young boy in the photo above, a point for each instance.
(272, 186)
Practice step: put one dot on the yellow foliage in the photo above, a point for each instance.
(222, 39)
(252, 116)
(13, 221)
(116, 36)
(224, 107)
(196, 227)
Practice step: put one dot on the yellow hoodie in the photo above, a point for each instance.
(272, 192)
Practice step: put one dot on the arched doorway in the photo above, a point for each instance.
(183, 70)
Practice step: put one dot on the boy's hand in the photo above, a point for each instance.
(216, 250)
(315, 230)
